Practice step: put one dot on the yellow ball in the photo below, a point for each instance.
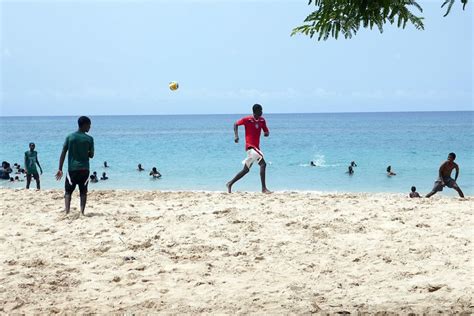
(173, 85)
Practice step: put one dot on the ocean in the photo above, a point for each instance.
(197, 152)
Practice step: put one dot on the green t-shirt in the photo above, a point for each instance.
(80, 146)
(30, 161)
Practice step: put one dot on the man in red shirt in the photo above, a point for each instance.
(253, 127)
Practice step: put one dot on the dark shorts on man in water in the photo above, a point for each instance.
(77, 177)
(448, 181)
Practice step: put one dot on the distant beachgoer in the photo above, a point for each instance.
(104, 176)
(17, 178)
(445, 179)
(413, 193)
(312, 164)
(80, 148)
(94, 178)
(353, 164)
(155, 173)
(31, 160)
(11, 179)
(254, 124)
(389, 171)
(105, 164)
(140, 168)
(350, 170)
(5, 171)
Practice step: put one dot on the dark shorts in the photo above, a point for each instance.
(448, 181)
(35, 176)
(77, 177)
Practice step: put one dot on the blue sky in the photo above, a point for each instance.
(117, 57)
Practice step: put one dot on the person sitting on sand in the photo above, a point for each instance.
(104, 176)
(140, 168)
(444, 179)
(353, 164)
(155, 173)
(254, 124)
(312, 164)
(94, 177)
(17, 178)
(350, 170)
(389, 171)
(414, 194)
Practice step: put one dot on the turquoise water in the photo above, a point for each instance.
(197, 152)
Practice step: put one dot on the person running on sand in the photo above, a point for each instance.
(31, 160)
(413, 193)
(254, 124)
(445, 179)
(80, 148)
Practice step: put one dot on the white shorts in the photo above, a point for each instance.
(253, 155)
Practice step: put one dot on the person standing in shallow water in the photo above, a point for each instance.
(80, 148)
(254, 124)
(31, 160)
(444, 179)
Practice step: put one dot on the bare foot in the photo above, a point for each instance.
(266, 191)
(229, 187)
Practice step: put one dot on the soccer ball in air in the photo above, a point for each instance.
(173, 85)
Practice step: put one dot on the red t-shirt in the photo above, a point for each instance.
(253, 129)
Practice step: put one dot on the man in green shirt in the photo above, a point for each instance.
(80, 147)
(31, 160)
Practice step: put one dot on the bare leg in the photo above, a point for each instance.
(67, 202)
(458, 189)
(37, 182)
(263, 166)
(430, 194)
(28, 181)
(83, 202)
(239, 176)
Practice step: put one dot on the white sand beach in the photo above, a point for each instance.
(200, 252)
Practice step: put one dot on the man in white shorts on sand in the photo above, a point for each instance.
(254, 124)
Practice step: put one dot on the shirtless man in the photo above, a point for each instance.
(445, 176)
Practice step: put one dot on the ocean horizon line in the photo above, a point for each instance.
(243, 113)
